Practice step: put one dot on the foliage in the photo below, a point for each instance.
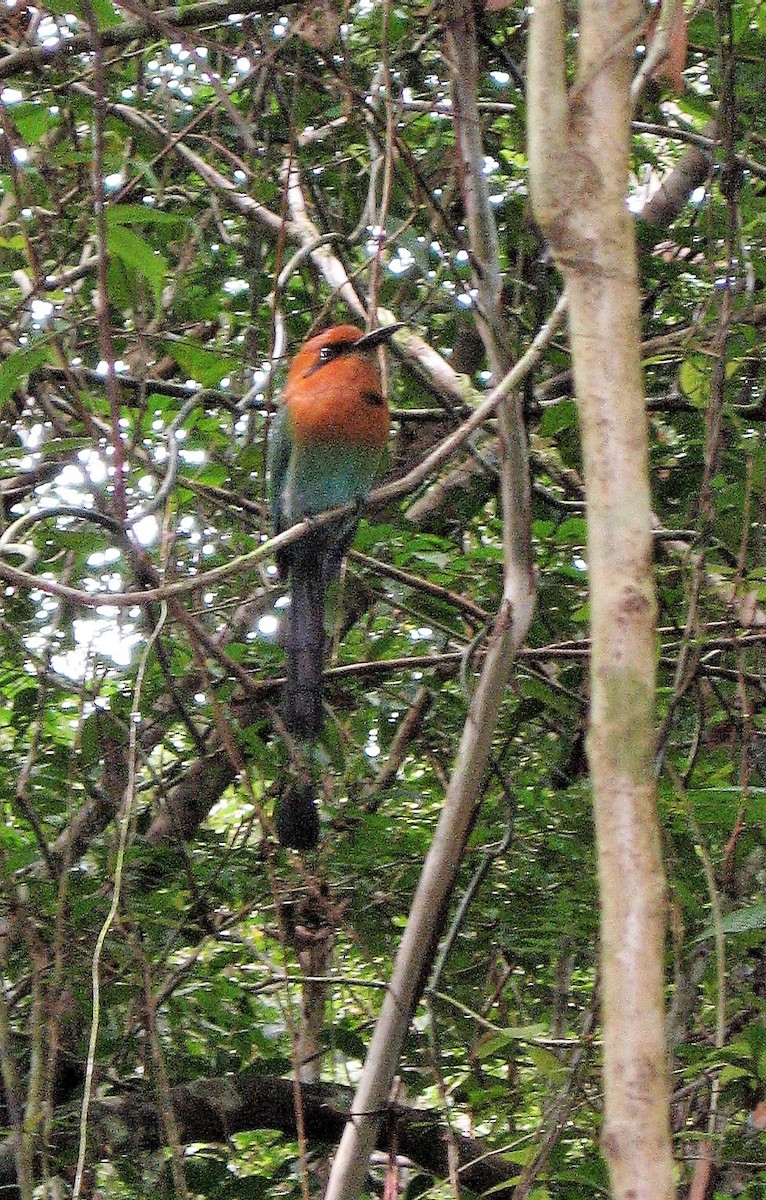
(220, 143)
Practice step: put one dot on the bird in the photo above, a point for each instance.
(325, 447)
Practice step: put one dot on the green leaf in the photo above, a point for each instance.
(559, 416)
(107, 16)
(56, 446)
(104, 11)
(63, 7)
(574, 530)
(740, 21)
(17, 367)
(137, 254)
(32, 121)
(497, 1042)
(551, 1067)
(207, 367)
(139, 214)
(742, 920)
(694, 378)
(212, 474)
(730, 1073)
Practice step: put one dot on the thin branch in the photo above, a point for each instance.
(125, 825)
(381, 496)
(429, 907)
(190, 17)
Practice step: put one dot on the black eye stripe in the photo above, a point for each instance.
(335, 350)
(328, 354)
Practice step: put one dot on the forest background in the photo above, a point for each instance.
(186, 194)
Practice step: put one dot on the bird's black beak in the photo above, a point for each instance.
(378, 337)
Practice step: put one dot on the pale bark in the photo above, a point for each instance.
(579, 153)
(429, 905)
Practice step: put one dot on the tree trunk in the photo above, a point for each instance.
(579, 143)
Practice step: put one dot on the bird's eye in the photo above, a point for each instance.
(329, 352)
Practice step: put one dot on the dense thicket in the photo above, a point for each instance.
(186, 193)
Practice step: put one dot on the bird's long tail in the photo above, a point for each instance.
(297, 819)
(305, 644)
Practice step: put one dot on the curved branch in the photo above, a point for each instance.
(211, 1110)
(379, 497)
(189, 17)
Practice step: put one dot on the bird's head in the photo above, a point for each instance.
(332, 346)
(334, 389)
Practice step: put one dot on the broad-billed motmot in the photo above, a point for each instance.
(325, 448)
